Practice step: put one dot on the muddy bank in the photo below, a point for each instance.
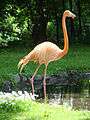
(64, 78)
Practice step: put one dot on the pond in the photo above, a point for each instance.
(72, 96)
(66, 95)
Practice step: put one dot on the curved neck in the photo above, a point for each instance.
(66, 43)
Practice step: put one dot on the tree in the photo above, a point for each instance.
(79, 17)
(40, 22)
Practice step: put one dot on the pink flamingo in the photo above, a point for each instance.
(46, 52)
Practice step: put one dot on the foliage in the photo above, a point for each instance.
(14, 24)
(10, 106)
(85, 14)
(51, 31)
(4, 78)
(27, 20)
(37, 111)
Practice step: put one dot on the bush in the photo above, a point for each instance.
(14, 24)
(51, 30)
(10, 106)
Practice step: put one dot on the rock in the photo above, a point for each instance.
(33, 97)
(7, 86)
(14, 93)
(22, 82)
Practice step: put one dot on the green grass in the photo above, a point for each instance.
(36, 111)
(78, 58)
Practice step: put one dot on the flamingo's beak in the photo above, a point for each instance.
(20, 65)
(73, 16)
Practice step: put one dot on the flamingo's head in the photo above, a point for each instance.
(22, 63)
(69, 14)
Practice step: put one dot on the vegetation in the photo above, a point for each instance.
(27, 110)
(24, 24)
(27, 21)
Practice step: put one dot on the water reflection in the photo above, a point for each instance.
(76, 97)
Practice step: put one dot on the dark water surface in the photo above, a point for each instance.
(74, 96)
(74, 93)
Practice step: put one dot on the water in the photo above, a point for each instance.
(73, 97)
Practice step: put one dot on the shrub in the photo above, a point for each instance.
(10, 106)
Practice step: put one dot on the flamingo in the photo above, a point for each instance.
(46, 52)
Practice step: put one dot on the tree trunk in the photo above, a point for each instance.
(39, 31)
(63, 3)
(72, 24)
(57, 27)
(40, 25)
(79, 18)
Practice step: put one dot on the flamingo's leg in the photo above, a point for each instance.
(44, 82)
(32, 79)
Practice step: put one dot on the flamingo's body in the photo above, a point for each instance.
(46, 52)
